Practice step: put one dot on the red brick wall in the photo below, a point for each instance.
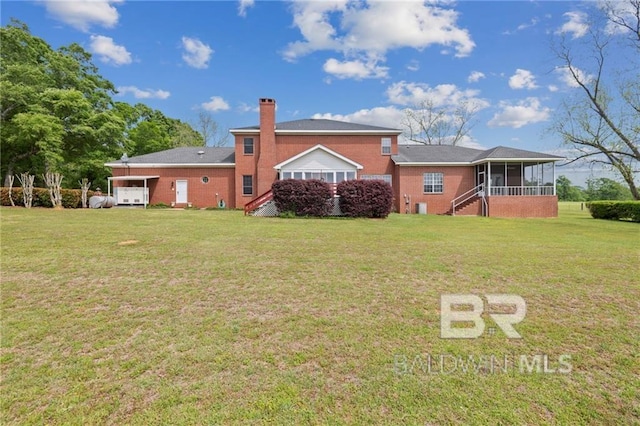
(266, 148)
(457, 180)
(523, 206)
(221, 181)
(363, 149)
(245, 165)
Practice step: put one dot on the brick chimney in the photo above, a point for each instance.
(266, 152)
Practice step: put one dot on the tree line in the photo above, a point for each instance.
(57, 114)
(597, 189)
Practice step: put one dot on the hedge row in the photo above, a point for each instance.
(71, 198)
(615, 210)
(365, 198)
(303, 197)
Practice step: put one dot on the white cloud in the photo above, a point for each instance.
(215, 104)
(370, 29)
(522, 79)
(82, 14)
(108, 51)
(381, 116)
(575, 25)
(243, 6)
(143, 94)
(196, 54)
(566, 77)
(525, 112)
(553, 88)
(529, 24)
(413, 66)
(354, 69)
(411, 94)
(475, 76)
(244, 107)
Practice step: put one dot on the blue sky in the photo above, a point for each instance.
(356, 61)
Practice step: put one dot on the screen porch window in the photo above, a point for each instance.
(247, 185)
(386, 178)
(248, 146)
(329, 177)
(386, 146)
(433, 183)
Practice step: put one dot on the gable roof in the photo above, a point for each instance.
(447, 154)
(321, 126)
(316, 148)
(506, 153)
(198, 156)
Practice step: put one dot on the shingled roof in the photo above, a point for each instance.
(447, 154)
(184, 155)
(435, 154)
(321, 125)
(506, 153)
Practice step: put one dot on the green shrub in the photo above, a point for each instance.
(71, 198)
(615, 210)
(158, 206)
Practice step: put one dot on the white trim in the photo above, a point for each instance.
(319, 132)
(416, 164)
(513, 160)
(167, 165)
(132, 177)
(244, 131)
(338, 132)
(325, 149)
(473, 163)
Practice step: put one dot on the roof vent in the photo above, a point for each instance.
(200, 153)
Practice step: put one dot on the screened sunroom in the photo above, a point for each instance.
(517, 178)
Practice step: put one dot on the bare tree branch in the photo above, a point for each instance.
(431, 124)
(602, 128)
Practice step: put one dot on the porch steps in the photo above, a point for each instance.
(252, 206)
(468, 208)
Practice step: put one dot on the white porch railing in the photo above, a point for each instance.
(520, 190)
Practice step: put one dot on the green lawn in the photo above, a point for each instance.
(126, 316)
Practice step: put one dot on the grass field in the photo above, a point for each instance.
(127, 316)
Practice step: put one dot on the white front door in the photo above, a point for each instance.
(181, 192)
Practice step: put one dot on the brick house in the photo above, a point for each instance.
(436, 179)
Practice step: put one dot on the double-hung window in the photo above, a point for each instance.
(433, 183)
(386, 146)
(247, 185)
(248, 146)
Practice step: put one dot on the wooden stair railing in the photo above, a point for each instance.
(257, 202)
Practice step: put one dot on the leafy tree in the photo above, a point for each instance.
(148, 130)
(55, 108)
(606, 189)
(601, 121)
(567, 191)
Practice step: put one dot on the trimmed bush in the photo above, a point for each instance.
(365, 198)
(303, 197)
(71, 198)
(615, 210)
